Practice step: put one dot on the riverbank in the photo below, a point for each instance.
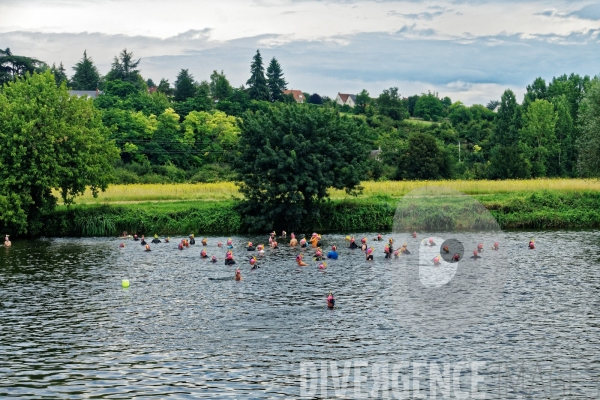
(545, 209)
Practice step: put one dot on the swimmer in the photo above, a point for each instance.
(124, 235)
(294, 241)
(180, 246)
(347, 238)
(229, 258)
(283, 234)
(431, 242)
(353, 244)
(318, 255)
(122, 245)
(391, 246)
(396, 253)
(156, 239)
(274, 245)
(532, 244)
(446, 249)
(238, 275)
(496, 246)
(186, 243)
(480, 248)
(414, 235)
(333, 254)
(148, 248)
(323, 265)
(299, 261)
(253, 263)
(319, 241)
(192, 239)
(135, 237)
(143, 242)
(7, 242)
(204, 242)
(330, 301)
(456, 257)
(214, 259)
(220, 244)
(250, 247)
(167, 240)
(436, 261)
(404, 250)
(203, 254)
(260, 249)
(229, 243)
(314, 239)
(475, 255)
(387, 251)
(303, 243)
(369, 254)
(379, 238)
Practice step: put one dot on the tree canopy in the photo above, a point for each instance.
(289, 157)
(275, 80)
(13, 66)
(86, 76)
(48, 140)
(257, 83)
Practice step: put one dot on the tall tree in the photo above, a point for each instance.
(275, 80)
(390, 104)
(184, 86)
(429, 106)
(538, 136)
(12, 66)
(425, 159)
(165, 87)
(257, 84)
(220, 89)
(49, 141)
(564, 135)
(507, 161)
(86, 75)
(150, 83)
(588, 163)
(281, 150)
(60, 74)
(363, 99)
(124, 67)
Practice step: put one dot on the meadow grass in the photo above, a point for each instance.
(418, 121)
(227, 191)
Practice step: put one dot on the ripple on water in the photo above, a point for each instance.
(185, 327)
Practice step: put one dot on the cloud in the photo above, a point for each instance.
(591, 12)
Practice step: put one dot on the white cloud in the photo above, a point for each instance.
(470, 50)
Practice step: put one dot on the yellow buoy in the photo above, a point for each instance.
(125, 283)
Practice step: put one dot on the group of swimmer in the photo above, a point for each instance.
(315, 242)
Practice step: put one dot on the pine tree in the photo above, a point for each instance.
(60, 74)
(275, 80)
(258, 89)
(86, 75)
(184, 86)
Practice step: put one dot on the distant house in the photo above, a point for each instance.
(344, 99)
(152, 89)
(298, 95)
(92, 94)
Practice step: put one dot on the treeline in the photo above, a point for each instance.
(189, 130)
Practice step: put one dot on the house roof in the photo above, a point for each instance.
(298, 95)
(344, 97)
(353, 97)
(89, 93)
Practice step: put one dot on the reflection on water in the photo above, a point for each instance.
(185, 327)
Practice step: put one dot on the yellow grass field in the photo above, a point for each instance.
(228, 190)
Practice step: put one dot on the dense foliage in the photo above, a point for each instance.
(48, 140)
(552, 132)
(290, 156)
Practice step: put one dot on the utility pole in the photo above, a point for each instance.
(459, 151)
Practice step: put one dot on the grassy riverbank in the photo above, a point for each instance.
(568, 207)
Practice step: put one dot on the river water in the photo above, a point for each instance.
(184, 328)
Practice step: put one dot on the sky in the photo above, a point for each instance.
(470, 50)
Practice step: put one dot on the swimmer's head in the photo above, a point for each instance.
(334, 247)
